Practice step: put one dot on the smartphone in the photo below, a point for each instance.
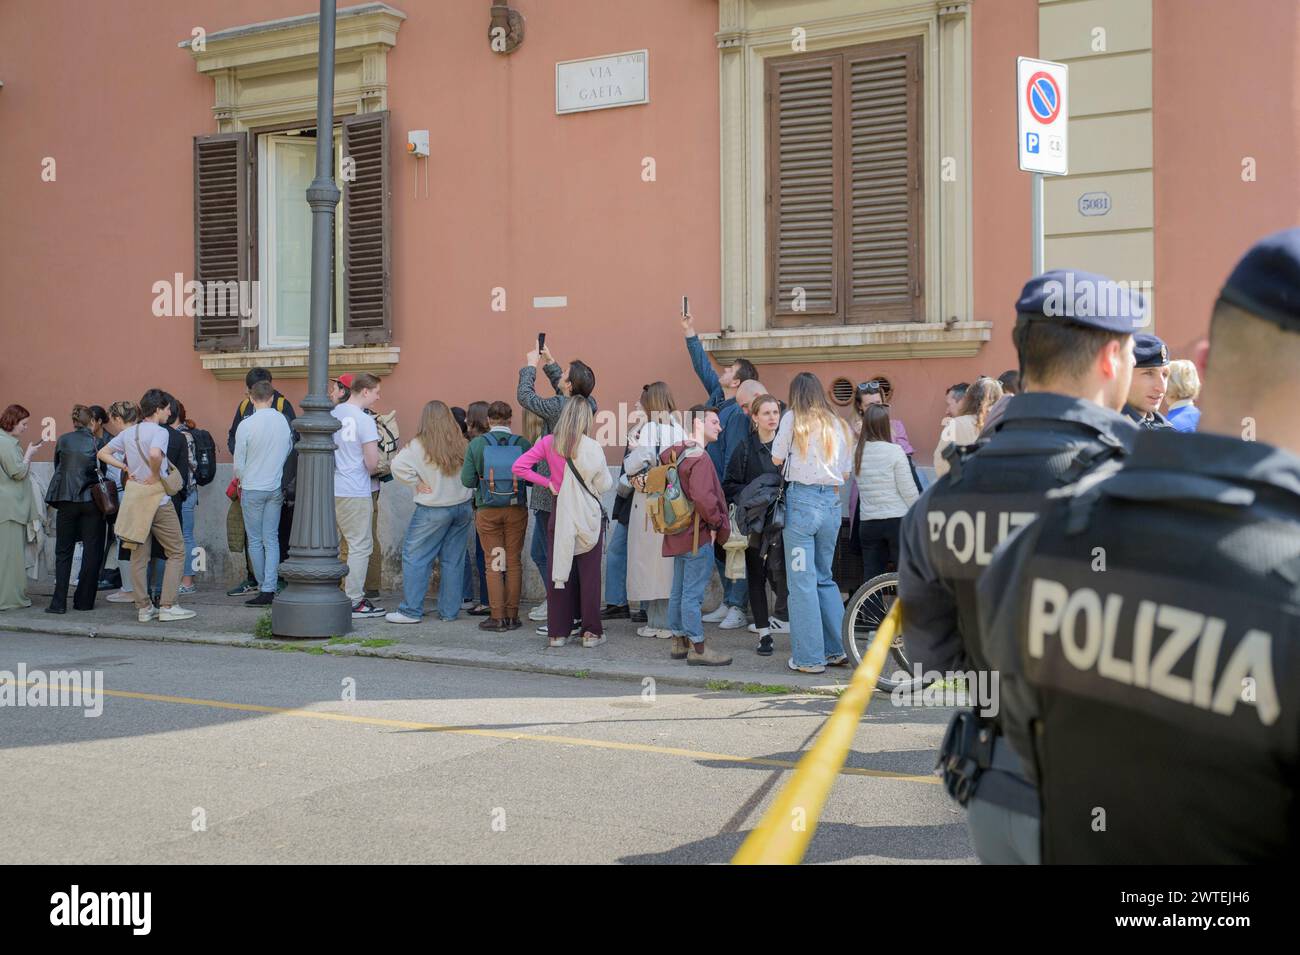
(686, 306)
(541, 342)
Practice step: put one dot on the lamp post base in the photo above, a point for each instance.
(310, 608)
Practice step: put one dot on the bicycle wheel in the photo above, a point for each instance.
(864, 613)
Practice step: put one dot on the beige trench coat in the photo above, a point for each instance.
(649, 573)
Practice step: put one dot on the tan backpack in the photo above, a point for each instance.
(669, 509)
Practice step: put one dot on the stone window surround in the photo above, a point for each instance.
(264, 75)
(944, 28)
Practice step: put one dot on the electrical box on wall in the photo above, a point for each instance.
(417, 142)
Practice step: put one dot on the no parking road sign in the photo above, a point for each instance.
(1041, 91)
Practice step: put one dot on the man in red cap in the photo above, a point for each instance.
(341, 387)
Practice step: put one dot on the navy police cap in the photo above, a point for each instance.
(1266, 282)
(1149, 352)
(1083, 298)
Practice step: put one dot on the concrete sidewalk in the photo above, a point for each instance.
(624, 656)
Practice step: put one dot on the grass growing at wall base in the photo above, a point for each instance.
(756, 688)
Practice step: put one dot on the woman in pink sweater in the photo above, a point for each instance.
(524, 466)
(574, 599)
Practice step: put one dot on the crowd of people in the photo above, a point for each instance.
(764, 482)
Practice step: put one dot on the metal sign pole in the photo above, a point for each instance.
(1036, 228)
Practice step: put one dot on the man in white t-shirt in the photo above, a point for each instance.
(356, 458)
(141, 452)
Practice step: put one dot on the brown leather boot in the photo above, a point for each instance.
(707, 657)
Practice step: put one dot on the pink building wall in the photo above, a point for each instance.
(541, 204)
(1225, 80)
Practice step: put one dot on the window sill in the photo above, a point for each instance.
(292, 362)
(850, 343)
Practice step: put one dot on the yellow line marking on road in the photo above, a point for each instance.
(500, 734)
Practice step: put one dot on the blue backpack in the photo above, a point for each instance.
(497, 483)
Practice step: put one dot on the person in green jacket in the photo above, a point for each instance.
(500, 514)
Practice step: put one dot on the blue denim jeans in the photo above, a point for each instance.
(434, 531)
(735, 593)
(812, 526)
(479, 562)
(187, 530)
(691, 573)
(262, 525)
(537, 551)
(616, 565)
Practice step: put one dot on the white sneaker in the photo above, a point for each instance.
(653, 632)
(556, 642)
(175, 612)
(778, 626)
(734, 620)
(538, 612)
(718, 614)
(798, 669)
(590, 640)
(398, 617)
(121, 597)
(147, 614)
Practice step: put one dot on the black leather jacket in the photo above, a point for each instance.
(75, 468)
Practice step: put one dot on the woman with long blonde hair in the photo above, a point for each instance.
(431, 464)
(649, 572)
(577, 476)
(813, 449)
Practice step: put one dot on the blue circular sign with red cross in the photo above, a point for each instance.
(1044, 97)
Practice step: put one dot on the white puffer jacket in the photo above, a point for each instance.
(885, 485)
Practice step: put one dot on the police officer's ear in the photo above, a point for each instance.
(1201, 356)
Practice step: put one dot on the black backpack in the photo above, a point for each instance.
(205, 456)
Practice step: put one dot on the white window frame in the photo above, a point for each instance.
(266, 239)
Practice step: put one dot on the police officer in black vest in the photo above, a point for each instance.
(1150, 382)
(1076, 360)
(1147, 626)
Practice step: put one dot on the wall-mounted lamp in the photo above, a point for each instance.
(417, 145)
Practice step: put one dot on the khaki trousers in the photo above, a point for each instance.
(501, 532)
(167, 529)
(352, 514)
(376, 555)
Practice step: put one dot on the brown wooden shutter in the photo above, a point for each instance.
(883, 195)
(804, 183)
(221, 239)
(367, 281)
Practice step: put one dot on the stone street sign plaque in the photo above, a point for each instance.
(602, 82)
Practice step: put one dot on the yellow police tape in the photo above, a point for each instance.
(782, 837)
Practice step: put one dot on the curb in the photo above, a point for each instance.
(247, 641)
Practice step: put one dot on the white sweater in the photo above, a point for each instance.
(577, 515)
(885, 485)
(411, 467)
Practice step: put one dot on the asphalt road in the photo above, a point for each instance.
(220, 755)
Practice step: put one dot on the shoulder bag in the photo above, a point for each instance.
(171, 479)
(104, 493)
(604, 518)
